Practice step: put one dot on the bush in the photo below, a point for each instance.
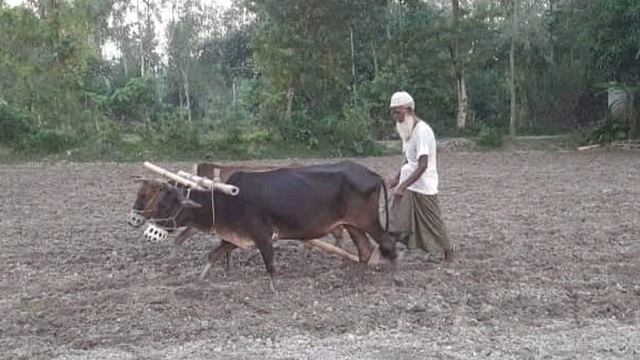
(111, 134)
(302, 128)
(49, 142)
(240, 141)
(353, 133)
(349, 133)
(606, 131)
(13, 128)
(490, 137)
(179, 136)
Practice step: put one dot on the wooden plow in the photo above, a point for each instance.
(198, 182)
(620, 144)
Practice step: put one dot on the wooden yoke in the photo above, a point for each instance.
(207, 183)
(193, 181)
(163, 172)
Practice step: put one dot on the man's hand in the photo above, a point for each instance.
(415, 175)
(399, 191)
(393, 182)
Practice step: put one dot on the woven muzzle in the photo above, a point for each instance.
(134, 218)
(155, 233)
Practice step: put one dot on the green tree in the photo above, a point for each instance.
(614, 30)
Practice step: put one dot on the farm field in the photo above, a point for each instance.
(547, 267)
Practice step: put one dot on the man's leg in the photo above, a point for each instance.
(429, 224)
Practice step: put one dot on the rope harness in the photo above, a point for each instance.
(135, 217)
(156, 233)
(216, 178)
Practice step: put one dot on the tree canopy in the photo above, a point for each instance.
(315, 73)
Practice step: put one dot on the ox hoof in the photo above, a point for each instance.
(272, 286)
(205, 272)
(174, 253)
(376, 258)
(395, 261)
(400, 237)
(398, 281)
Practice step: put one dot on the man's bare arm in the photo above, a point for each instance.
(393, 182)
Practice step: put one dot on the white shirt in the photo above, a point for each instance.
(421, 142)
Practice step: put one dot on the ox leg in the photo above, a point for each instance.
(387, 248)
(338, 235)
(386, 243)
(180, 239)
(267, 256)
(365, 250)
(361, 242)
(224, 248)
(262, 238)
(227, 262)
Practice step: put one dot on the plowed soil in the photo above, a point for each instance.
(548, 249)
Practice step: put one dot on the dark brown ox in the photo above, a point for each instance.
(208, 170)
(295, 203)
(147, 198)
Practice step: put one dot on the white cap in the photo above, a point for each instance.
(401, 98)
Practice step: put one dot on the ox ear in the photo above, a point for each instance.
(144, 179)
(156, 182)
(188, 203)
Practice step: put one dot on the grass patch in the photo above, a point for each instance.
(138, 151)
(543, 143)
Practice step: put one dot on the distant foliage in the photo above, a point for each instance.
(353, 134)
(267, 76)
(16, 133)
(490, 137)
(14, 130)
(134, 101)
(607, 131)
(50, 142)
(346, 134)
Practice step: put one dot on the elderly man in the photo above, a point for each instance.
(415, 214)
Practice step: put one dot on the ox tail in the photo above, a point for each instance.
(386, 206)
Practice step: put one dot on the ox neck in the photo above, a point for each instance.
(198, 195)
(202, 197)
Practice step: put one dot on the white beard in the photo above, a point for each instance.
(405, 128)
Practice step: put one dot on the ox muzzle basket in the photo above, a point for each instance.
(155, 233)
(135, 218)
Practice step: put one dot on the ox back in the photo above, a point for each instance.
(207, 169)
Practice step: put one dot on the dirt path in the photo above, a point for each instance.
(548, 267)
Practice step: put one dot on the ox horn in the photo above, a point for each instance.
(143, 179)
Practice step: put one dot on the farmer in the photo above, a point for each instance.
(415, 217)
